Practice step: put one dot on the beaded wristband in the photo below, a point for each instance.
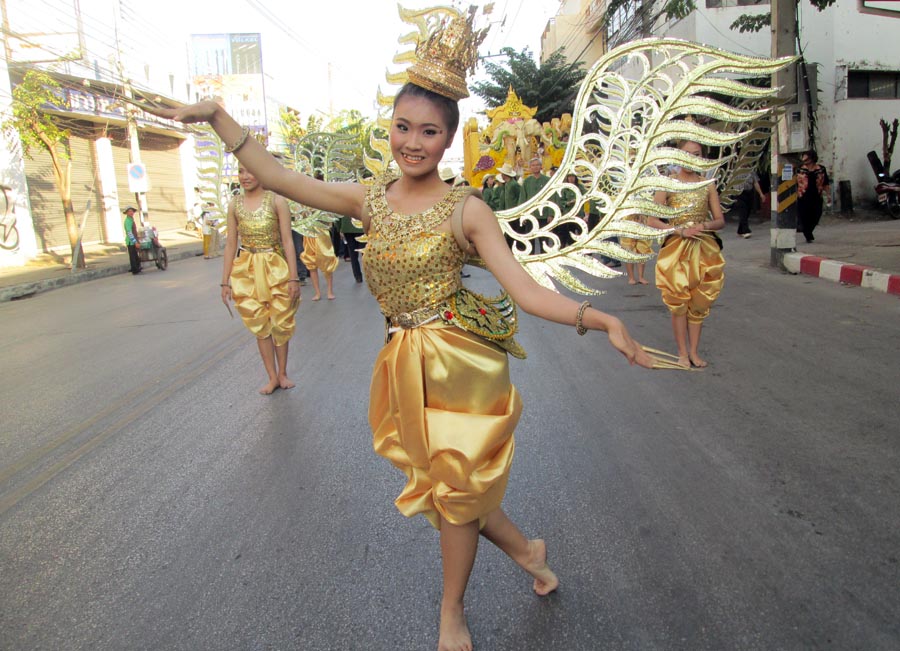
(230, 149)
(224, 284)
(579, 328)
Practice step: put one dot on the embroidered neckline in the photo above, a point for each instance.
(393, 224)
(267, 194)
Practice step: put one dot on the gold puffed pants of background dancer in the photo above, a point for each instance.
(259, 287)
(690, 273)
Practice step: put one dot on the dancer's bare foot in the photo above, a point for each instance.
(697, 361)
(632, 281)
(270, 387)
(285, 382)
(643, 281)
(454, 634)
(331, 297)
(545, 581)
(684, 361)
(317, 297)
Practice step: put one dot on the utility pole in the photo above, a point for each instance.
(130, 111)
(783, 181)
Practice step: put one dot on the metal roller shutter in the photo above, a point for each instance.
(166, 197)
(161, 156)
(46, 206)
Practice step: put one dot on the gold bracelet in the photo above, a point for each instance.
(579, 328)
(230, 149)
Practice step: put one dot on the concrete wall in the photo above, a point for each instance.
(837, 39)
(568, 29)
(18, 243)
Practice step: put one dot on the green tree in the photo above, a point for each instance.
(40, 129)
(677, 9)
(291, 126)
(551, 86)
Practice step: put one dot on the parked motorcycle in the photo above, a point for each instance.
(887, 188)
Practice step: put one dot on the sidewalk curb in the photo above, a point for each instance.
(24, 290)
(842, 272)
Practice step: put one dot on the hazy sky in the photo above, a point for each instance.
(355, 39)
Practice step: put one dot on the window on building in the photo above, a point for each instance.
(871, 84)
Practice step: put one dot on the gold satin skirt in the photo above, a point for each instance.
(690, 273)
(259, 287)
(318, 253)
(443, 410)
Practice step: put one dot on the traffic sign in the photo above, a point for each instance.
(138, 181)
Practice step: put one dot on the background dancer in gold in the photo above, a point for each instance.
(318, 254)
(260, 273)
(690, 268)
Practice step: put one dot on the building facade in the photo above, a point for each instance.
(854, 69)
(94, 58)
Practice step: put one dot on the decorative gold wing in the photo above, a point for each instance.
(330, 157)
(633, 105)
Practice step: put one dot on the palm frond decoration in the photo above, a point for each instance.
(329, 157)
(212, 177)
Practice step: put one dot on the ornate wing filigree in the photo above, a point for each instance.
(633, 105)
(330, 157)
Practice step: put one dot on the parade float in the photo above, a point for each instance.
(513, 136)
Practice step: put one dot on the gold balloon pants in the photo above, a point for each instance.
(690, 273)
(259, 287)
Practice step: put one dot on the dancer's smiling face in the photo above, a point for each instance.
(419, 135)
(246, 179)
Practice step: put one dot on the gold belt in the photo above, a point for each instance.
(254, 249)
(414, 319)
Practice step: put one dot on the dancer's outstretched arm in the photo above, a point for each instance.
(341, 198)
(481, 229)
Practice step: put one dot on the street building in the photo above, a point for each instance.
(851, 80)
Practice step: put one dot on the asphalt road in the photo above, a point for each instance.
(150, 499)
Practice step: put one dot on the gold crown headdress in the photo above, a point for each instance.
(445, 56)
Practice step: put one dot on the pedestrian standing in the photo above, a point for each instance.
(813, 187)
(745, 202)
(132, 240)
(351, 232)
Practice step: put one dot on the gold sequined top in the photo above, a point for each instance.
(408, 263)
(695, 204)
(259, 228)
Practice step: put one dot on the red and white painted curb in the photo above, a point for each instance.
(842, 272)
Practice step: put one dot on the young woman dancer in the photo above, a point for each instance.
(442, 407)
(690, 269)
(260, 273)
